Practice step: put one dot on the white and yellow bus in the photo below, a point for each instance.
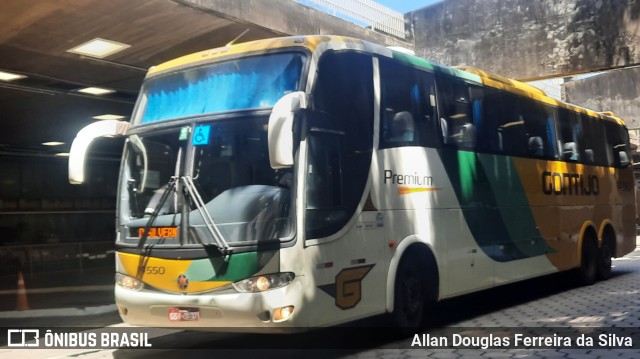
(310, 181)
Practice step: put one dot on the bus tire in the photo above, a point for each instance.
(587, 272)
(414, 291)
(605, 253)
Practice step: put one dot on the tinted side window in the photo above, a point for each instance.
(618, 148)
(569, 135)
(503, 128)
(539, 129)
(457, 121)
(408, 106)
(593, 142)
(516, 126)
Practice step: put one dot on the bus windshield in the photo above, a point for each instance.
(226, 179)
(245, 83)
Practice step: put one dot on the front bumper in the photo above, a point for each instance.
(226, 310)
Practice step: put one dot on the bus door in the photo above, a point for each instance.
(344, 248)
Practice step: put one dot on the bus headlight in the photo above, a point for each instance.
(128, 282)
(263, 282)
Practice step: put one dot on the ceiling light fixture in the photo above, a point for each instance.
(108, 117)
(98, 91)
(62, 154)
(99, 48)
(8, 76)
(53, 143)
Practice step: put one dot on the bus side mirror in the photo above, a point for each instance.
(84, 139)
(280, 129)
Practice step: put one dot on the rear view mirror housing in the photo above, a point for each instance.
(280, 129)
(84, 139)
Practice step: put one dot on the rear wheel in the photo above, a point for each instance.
(587, 271)
(605, 253)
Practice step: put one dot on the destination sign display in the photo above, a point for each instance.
(157, 232)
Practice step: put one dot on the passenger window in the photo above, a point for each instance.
(502, 130)
(594, 151)
(513, 125)
(618, 148)
(456, 116)
(539, 130)
(408, 106)
(570, 133)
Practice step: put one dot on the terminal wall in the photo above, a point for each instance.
(617, 91)
(530, 39)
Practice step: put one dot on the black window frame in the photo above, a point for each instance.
(412, 105)
(456, 112)
(617, 141)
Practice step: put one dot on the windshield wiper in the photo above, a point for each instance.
(194, 195)
(145, 234)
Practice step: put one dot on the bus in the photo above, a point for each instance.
(310, 181)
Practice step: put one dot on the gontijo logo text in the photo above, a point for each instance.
(577, 184)
(112, 338)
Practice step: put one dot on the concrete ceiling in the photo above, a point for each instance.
(35, 37)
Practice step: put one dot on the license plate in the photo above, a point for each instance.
(184, 314)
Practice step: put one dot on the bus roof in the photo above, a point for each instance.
(311, 42)
(497, 79)
(515, 86)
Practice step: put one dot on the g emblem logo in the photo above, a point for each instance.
(349, 286)
(347, 290)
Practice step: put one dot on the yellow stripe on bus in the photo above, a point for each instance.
(408, 190)
(309, 42)
(163, 273)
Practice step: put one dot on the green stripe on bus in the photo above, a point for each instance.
(461, 74)
(413, 60)
(510, 195)
(425, 64)
(494, 205)
(237, 267)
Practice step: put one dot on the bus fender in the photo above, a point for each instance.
(603, 227)
(395, 261)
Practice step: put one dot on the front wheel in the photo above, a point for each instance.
(413, 292)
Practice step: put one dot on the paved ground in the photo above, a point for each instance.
(551, 301)
(544, 302)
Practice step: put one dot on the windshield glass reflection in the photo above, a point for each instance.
(230, 174)
(246, 83)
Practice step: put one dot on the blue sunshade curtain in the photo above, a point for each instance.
(246, 83)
